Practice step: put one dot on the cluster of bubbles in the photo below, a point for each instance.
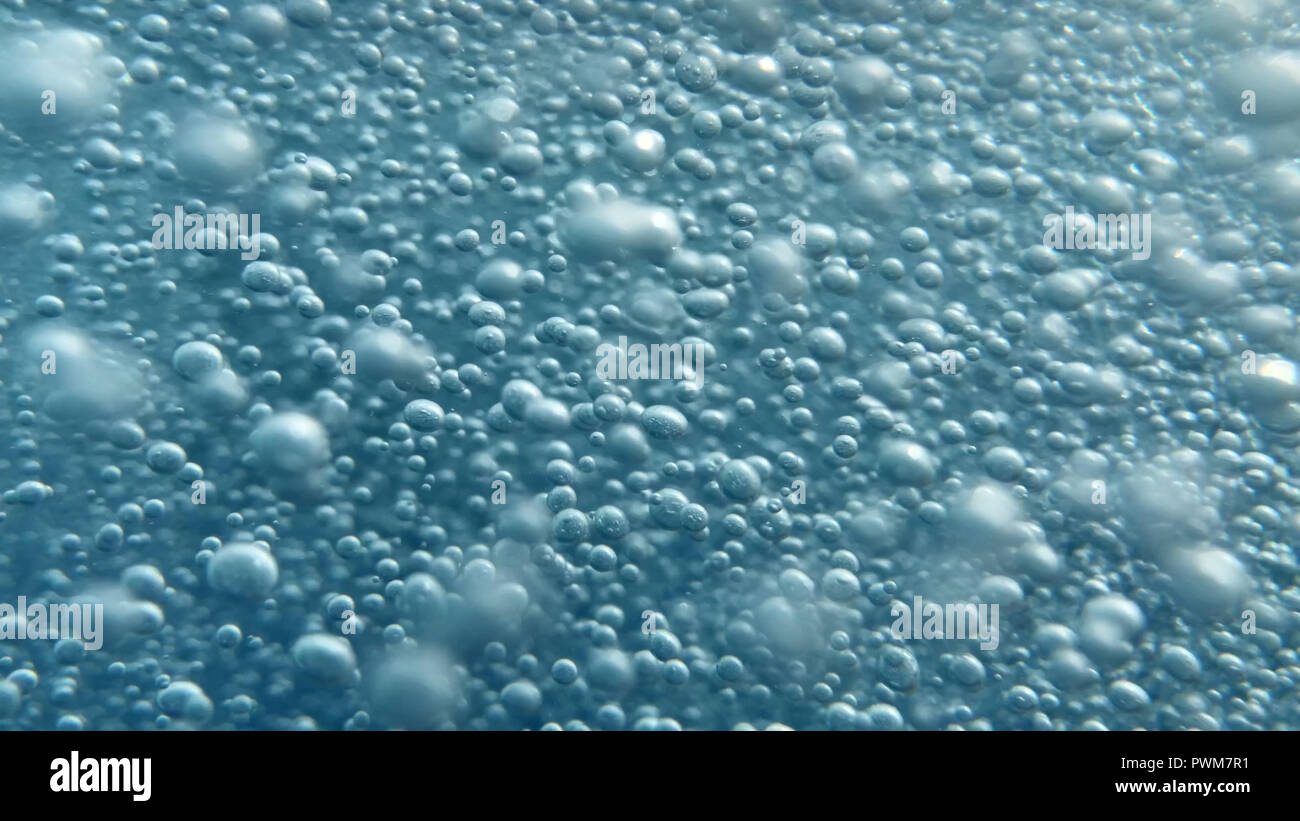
(373, 477)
